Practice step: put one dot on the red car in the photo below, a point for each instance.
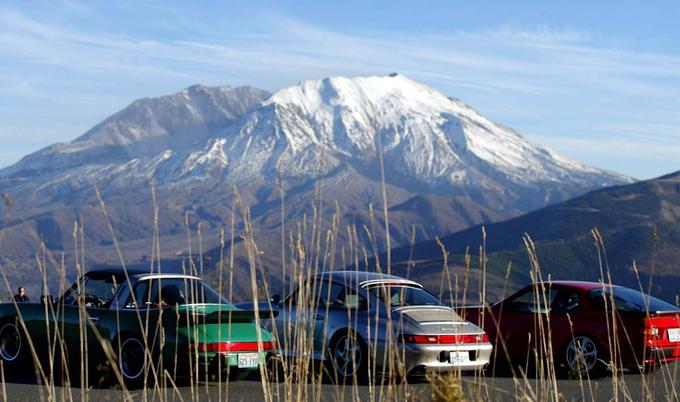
(570, 323)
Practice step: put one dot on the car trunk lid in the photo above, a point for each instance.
(438, 320)
(216, 323)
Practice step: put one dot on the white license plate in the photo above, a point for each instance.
(248, 360)
(674, 334)
(459, 357)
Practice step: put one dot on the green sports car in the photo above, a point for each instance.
(147, 325)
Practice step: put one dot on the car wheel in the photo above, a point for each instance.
(348, 356)
(648, 368)
(12, 343)
(132, 359)
(583, 356)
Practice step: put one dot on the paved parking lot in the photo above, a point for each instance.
(633, 387)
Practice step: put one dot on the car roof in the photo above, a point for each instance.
(136, 274)
(580, 285)
(365, 278)
(114, 271)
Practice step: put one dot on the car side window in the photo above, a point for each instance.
(141, 295)
(100, 291)
(291, 300)
(146, 294)
(567, 302)
(351, 300)
(330, 295)
(335, 296)
(532, 301)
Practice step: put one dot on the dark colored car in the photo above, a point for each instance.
(143, 320)
(354, 320)
(587, 325)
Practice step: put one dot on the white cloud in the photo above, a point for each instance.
(517, 59)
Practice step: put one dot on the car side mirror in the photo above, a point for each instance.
(275, 300)
(46, 299)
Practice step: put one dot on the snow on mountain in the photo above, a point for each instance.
(428, 139)
(446, 168)
(427, 135)
(147, 129)
(242, 136)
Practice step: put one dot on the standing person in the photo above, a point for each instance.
(21, 297)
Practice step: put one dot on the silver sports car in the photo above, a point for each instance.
(361, 322)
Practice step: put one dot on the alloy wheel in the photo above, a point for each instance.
(582, 354)
(10, 342)
(346, 356)
(132, 358)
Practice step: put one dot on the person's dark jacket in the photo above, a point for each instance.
(21, 299)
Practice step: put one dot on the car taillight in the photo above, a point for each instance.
(218, 347)
(653, 331)
(652, 335)
(445, 339)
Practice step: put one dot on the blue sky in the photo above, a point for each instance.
(597, 81)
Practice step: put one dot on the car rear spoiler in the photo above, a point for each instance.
(665, 312)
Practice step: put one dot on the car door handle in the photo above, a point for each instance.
(94, 318)
(319, 317)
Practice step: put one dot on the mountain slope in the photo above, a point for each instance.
(431, 143)
(146, 128)
(318, 144)
(638, 223)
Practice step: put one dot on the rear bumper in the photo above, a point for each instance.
(214, 362)
(663, 354)
(435, 358)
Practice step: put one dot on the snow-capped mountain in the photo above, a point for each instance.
(446, 166)
(146, 130)
(431, 143)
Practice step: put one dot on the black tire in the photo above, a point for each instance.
(275, 369)
(648, 368)
(132, 359)
(583, 357)
(348, 357)
(13, 344)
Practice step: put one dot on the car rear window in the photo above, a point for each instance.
(628, 300)
(402, 296)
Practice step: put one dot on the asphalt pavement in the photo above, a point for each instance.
(660, 385)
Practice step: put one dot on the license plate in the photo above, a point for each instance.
(248, 360)
(459, 357)
(674, 335)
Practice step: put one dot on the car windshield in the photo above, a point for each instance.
(629, 300)
(94, 290)
(402, 296)
(173, 291)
